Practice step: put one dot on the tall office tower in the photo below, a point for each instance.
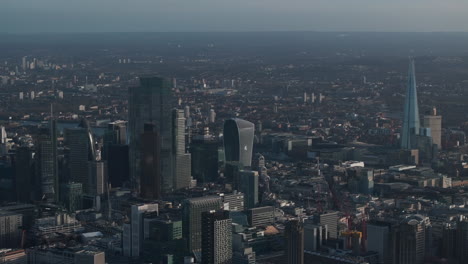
(71, 196)
(97, 176)
(192, 212)
(3, 135)
(10, 229)
(411, 124)
(411, 240)
(379, 239)
(115, 152)
(187, 111)
(24, 174)
(461, 241)
(248, 184)
(182, 159)
(216, 238)
(78, 143)
(238, 141)
(434, 122)
(117, 164)
(150, 154)
(204, 153)
(84, 124)
(134, 233)
(294, 233)
(116, 133)
(47, 167)
(212, 117)
(24, 63)
(151, 102)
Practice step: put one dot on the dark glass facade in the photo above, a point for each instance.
(238, 141)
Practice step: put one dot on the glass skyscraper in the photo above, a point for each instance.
(238, 141)
(411, 123)
(151, 102)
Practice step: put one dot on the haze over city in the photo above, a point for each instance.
(28, 16)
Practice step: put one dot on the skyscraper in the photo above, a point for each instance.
(411, 240)
(248, 184)
(3, 135)
(411, 123)
(71, 196)
(151, 102)
(10, 229)
(192, 218)
(182, 159)
(115, 152)
(434, 122)
(136, 236)
(116, 133)
(204, 159)
(76, 139)
(150, 179)
(294, 233)
(47, 167)
(238, 141)
(24, 174)
(97, 177)
(216, 237)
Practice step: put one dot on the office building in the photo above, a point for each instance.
(238, 141)
(248, 185)
(150, 168)
(330, 219)
(117, 164)
(116, 133)
(314, 235)
(411, 124)
(411, 240)
(10, 229)
(3, 135)
(78, 143)
(461, 242)
(151, 102)
(294, 234)
(212, 117)
(24, 170)
(233, 202)
(182, 159)
(97, 178)
(216, 238)
(434, 123)
(71, 196)
(204, 153)
(261, 216)
(380, 240)
(192, 218)
(133, 233)
(47, 166)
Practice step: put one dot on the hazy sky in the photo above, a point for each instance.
(20, 16)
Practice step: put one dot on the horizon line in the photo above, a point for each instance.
(229, 31)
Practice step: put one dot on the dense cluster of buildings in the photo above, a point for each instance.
(203, 171)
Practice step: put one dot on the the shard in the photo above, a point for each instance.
(411, 115)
